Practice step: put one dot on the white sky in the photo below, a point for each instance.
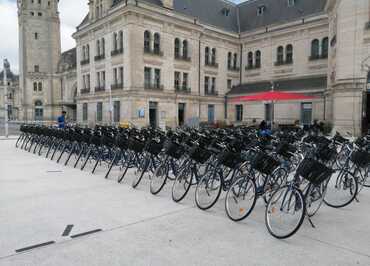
(71, 14)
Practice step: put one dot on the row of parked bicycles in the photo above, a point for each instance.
(291, 172)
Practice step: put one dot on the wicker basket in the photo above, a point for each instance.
(153, 147)
(264, 163)
(174, 149)
(229, 158)
(360, 158)
(199, 155)
(135, 145)
(313, 171)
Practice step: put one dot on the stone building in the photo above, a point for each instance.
(12, 98)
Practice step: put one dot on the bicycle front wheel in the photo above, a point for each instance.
(285, 212)
(140, 171)
(208, 190)
(182, 184)
(159, 178)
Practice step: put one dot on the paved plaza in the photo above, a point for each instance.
(40, 201)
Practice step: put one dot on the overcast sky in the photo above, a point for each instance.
(71, 14)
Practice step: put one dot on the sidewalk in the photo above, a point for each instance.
(39, 199)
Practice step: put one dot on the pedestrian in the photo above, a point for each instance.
(62, 120)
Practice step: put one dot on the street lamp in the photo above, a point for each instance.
(5, 82)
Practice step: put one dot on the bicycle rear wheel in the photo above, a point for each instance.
(182, 184)
(241, 199)
(208, 190)
(315, 198)
(159, 178)
(285, 212)
(140, 171)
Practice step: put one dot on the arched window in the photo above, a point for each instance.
(39, 111)
(229, 59)
(258, 59)
(120, 40)
(325, 47)
(315, 49)
(289, 54)
(235, 61)
(115, 39)
(206, 56)
(40, 86)
(185, 49)
(98, 47)
(250, 60)
(177, 48)
(157, 43)
(147, 41)
(280, 55)
(35, 86)
(102, 46)
(213, 56)
(87, 51)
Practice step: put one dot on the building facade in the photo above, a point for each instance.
(12, 98)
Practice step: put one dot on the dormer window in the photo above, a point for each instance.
(291, 3)
(225, 12)
(261, 10)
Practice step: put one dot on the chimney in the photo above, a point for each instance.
(167, 4)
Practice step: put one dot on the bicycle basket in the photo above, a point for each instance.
(229, 158)
(360, 158)
(153, 147)
(264, 163)
(313, 171)
(326, 153)
(285, 149)
(199, 155)
(135, 145)
(174, 149)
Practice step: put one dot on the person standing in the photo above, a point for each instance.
(62, 120)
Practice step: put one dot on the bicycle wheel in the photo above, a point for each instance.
(208, 190)
(241, 199)
(366, 182)
(285, 212)
(182, 184)
(126, 165)
(341, 190)
(140, 171)
(159, 178)
(276, 180)
(315, 198)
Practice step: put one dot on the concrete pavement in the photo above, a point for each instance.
(39, 198)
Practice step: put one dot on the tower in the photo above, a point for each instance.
(39, 53)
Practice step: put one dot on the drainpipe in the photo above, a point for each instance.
(199, 73)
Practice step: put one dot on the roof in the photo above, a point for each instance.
(281, 85)
(68, 60)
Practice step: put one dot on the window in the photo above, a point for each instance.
(120, 40)
(98, 47)
(35, 86)
(39, 14)
(147, 41)
(87, 52)
(229, 59)
(280, 55)
(235, 61)
(121, 76)
(157, 78)
(206, 84)
(36, 35)
(84, 112)
(115, 76)
(291, 3)
(225, 11)
(99, 111)
(250, 60)
(229, 84)
(147, 76)
(177, 80)
(116, 111)
(315, 47)
(213, 56)
(36, 68)
(258, 59)
(185, 77)
(177, 48)
(185, 49)
(325, 47)
(289, 54)
(239, 113)
(115, 40)
(261, 10)
(40, 86)
(102, 47)
(157, 43)
(88, 81)
(32, 13)
(206, 56)
(103, 78)
(213, 86)
(39, 111)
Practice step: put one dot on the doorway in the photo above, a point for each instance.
(181, 114)
(268, 113)
(153, 114)
(211, 114)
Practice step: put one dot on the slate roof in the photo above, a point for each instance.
(68, 60)
(281, 85)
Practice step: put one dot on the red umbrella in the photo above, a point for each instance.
(274, 96)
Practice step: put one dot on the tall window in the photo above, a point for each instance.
(289, 54)
(213, 56)
(229, 59)
(115, 41)
(280, 55)
(121, 76)
(325, 47)
(250, 60)
(40, 86)
(87, 52)
(147, 41)
(36, 68)
(213, 86)
(39, 111)
(239, 113)
(157, 78)
(185, 49)
(185, 77)
(35, 86)
(157, 43)
(206, 56)
(120, 40)
(102, 47)
(84, 112)
(177, 80)
(147, 76)
(229, 84)
(98, 47)
(99, 111)
(115, 76)
(315, 49)
(206, 84)
(116, 111)
(258, 59)
(177, 48)
(235, 61)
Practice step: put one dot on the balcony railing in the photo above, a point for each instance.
(234, 69)
(281, 63)
(252, 67)
(182, 89)
(153, 52)
(182, 58)
(116, 52)
(85, 62)
(99, 57)
(85, 91)
(211, 64)
(211, 93)
(100, 88)
(153, 87)
(116, 86)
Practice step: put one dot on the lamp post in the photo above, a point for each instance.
(5, 82)
(272, 106)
